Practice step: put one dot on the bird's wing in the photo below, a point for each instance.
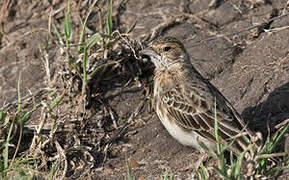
(193, 110)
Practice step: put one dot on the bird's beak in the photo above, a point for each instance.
(149, 52)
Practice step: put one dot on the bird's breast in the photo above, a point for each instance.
(163, 81)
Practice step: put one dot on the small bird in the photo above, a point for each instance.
(187, 104)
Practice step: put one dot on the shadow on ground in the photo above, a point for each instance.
(269, 113)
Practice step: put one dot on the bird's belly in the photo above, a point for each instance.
(187, 138)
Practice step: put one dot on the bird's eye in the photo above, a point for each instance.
(167, 48)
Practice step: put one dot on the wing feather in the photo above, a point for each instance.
(193, 102)
(200, 116)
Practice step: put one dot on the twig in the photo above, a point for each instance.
(59, 10)
(122, 131)
(40, 126)
(21, 37)
(198, 20)
(276, 29)
(45, 57)
(137, 110)
(127, 41)
(173, 20)
(243, 30)
(62, 154)
(50, 20)
(24, 98)
(263, 156)
(159, 28)
(285, 122)
(112, 114)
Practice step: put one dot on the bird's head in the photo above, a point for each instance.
(166, 52)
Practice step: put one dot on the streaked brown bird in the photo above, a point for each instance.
(187, 103)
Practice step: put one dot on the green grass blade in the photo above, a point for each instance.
(109, 19)
(274, 140)
(53, 170)
(6, 150)
(98, 68)
(2, 174)
(19, 108)
(206, 149)
(197, 176)
(220, 171)
(58, 34)
(55, 102)
(239, 165)
(84, 76)
(168, 177)
(130, 175)
(203, 171)
(26, 116)
(93, 40)
(216, 130)
(276, 170)
(1, 112)
(68, 30)
(19, 121)
(270, 147)
(220, 150)
(278, 139)
(83, 31)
